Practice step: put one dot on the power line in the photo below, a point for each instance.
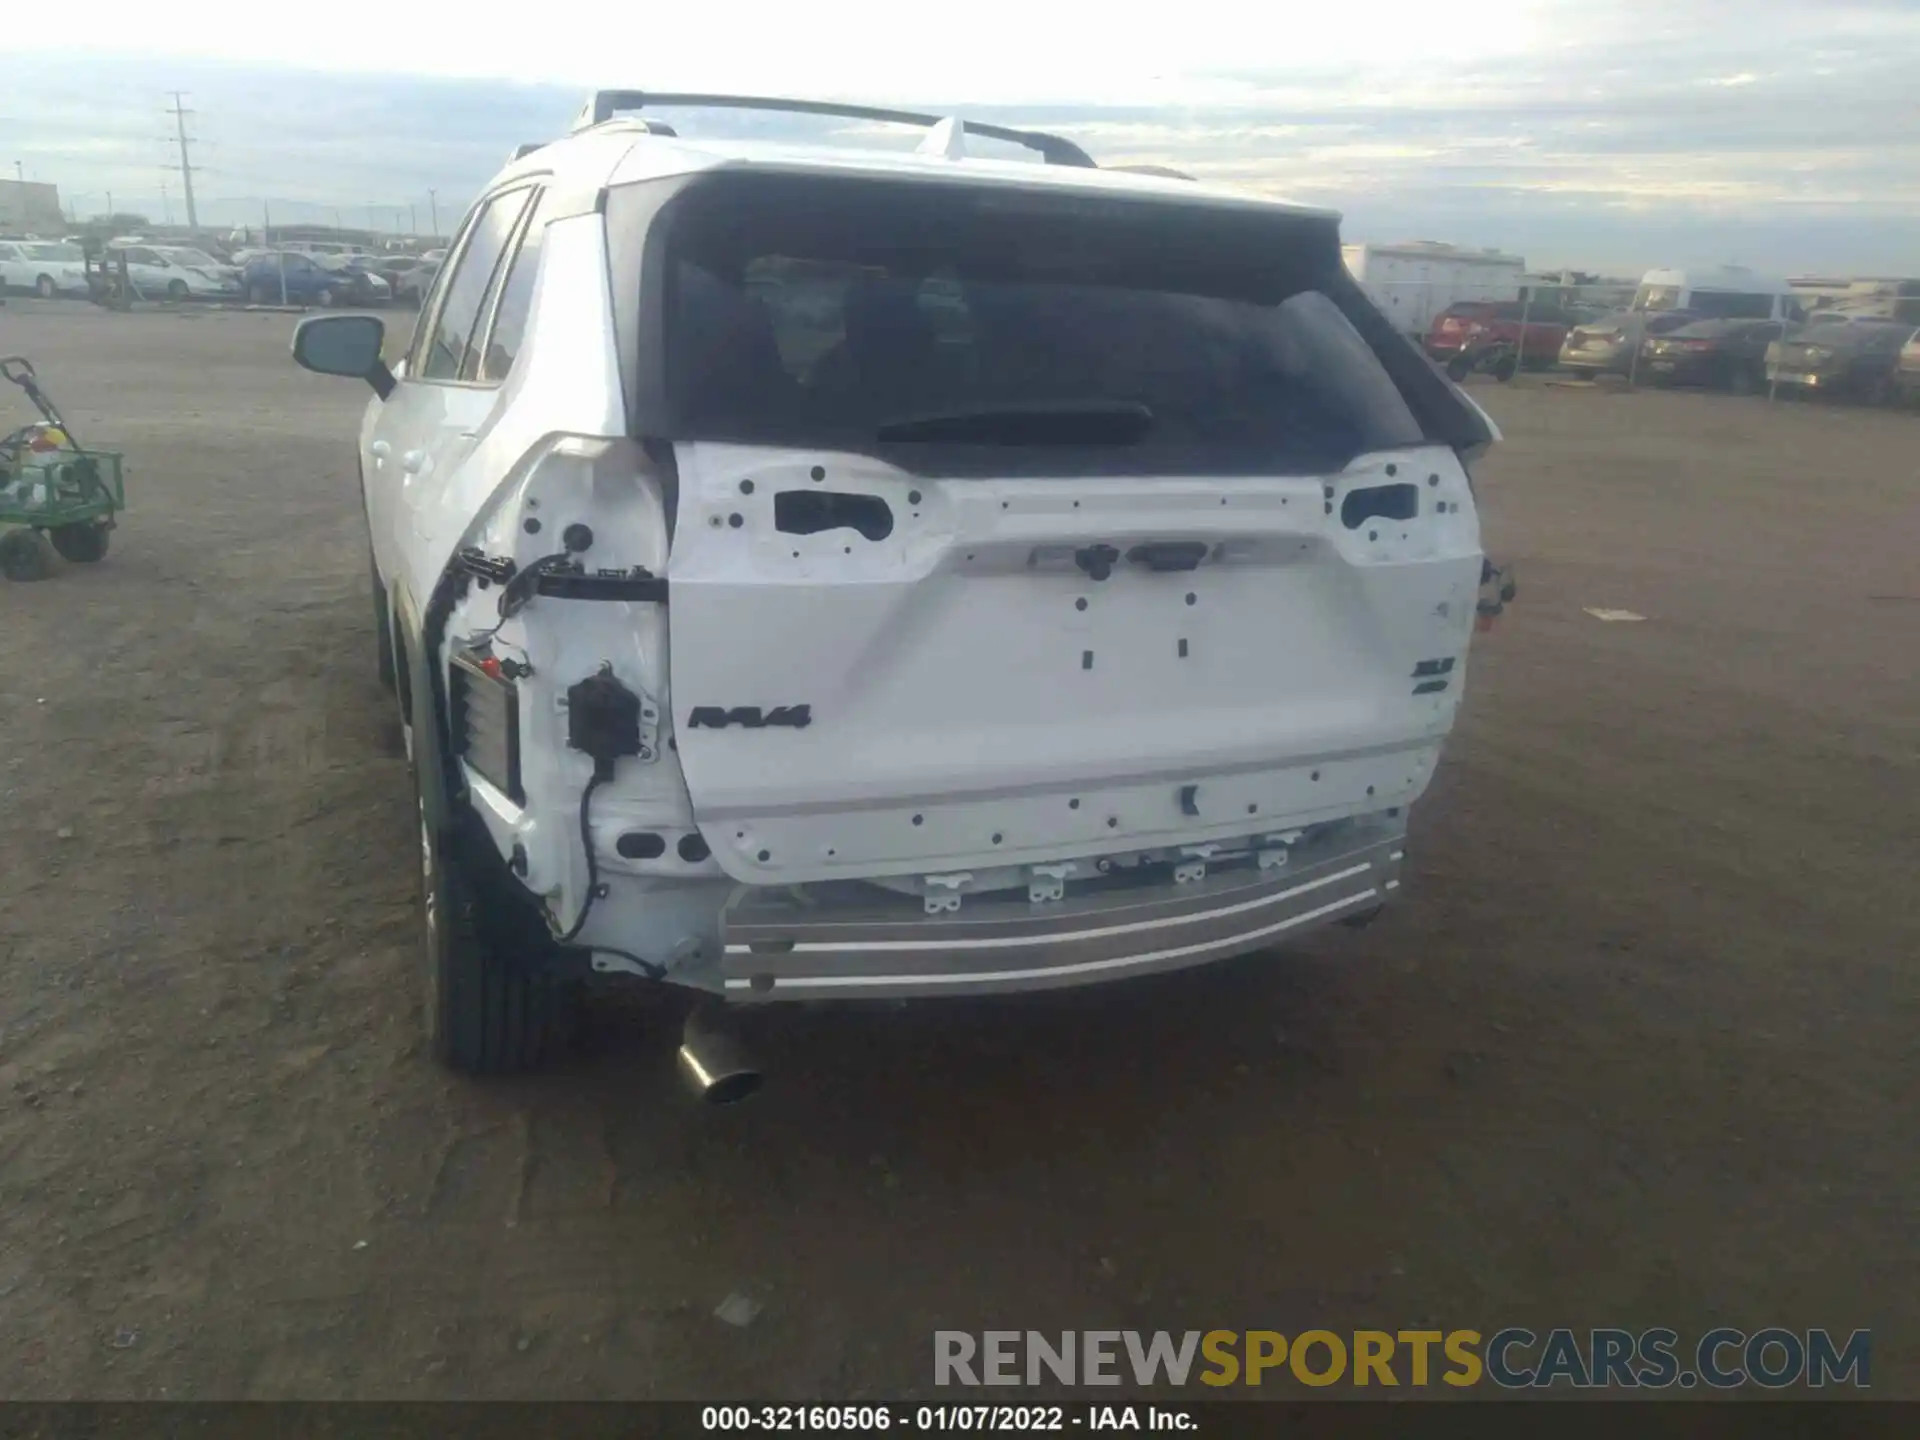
(187, 167)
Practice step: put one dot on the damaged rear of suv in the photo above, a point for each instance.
(821, 575)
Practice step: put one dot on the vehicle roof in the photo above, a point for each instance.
(625, 152)
(1720, 277)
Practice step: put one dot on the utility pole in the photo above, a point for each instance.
(433, 207)
(20, 169)
(187, 167)
(413, 218)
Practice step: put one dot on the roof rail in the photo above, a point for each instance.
(606, 103)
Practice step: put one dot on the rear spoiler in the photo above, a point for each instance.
(605, 104)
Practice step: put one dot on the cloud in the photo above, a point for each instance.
(1622, 135)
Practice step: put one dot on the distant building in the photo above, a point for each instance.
(28, 207)
(1416, 280)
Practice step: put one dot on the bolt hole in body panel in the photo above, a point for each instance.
(934, 658)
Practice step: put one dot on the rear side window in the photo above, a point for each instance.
(464, 294)
(900, 318)
(1731, 305)
(515, 301)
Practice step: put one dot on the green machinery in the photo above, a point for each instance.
(52, 488)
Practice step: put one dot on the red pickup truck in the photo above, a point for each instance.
(1483, 321)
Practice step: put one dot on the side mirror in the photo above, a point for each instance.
(346, 345)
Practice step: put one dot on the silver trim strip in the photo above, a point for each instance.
(1083, 967)
(1064, 937)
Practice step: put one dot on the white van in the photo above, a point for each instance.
(1729, 292)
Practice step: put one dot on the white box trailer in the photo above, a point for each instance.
(1414, 281)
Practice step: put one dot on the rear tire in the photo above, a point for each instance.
(1742, 381)
(81, 544)
(176, 290)
(45, 288)
(23, 556)
(494, 1002)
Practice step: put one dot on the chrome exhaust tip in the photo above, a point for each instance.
(713, 1062)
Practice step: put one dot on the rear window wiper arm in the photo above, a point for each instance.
(1040, 422)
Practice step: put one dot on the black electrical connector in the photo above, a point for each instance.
(603, 719)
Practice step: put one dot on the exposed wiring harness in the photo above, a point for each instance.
(518, 591)
(603, 722)
(593, 865)
(653, 971)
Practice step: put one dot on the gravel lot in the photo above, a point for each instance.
(1639, 1049)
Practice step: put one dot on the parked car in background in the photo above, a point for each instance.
(306, 281)
(1906, 371)
(1607, 346)
(188, 258)
(363, 284)
(155, 276)
(1479, 322)
(1837, 353)
(414, 285)
(48, 268)
(1723, 354)
(393, 268)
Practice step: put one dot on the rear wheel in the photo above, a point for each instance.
(1876, 390)
(176, 290)
(82, 544)
(1742, 380)
(493, 1000)
(23, 556)
(45, 288)
(324, 297)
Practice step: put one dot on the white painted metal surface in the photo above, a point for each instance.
(983, 711)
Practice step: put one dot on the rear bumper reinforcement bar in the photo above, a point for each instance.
(778, 948)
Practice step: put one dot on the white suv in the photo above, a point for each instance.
(811, 574)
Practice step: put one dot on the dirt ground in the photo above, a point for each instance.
(1639, 1048)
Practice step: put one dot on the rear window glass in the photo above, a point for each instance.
(890, 316)
(1665, 324)
(1731, 305)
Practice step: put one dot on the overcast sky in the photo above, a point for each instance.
(1611, 134)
